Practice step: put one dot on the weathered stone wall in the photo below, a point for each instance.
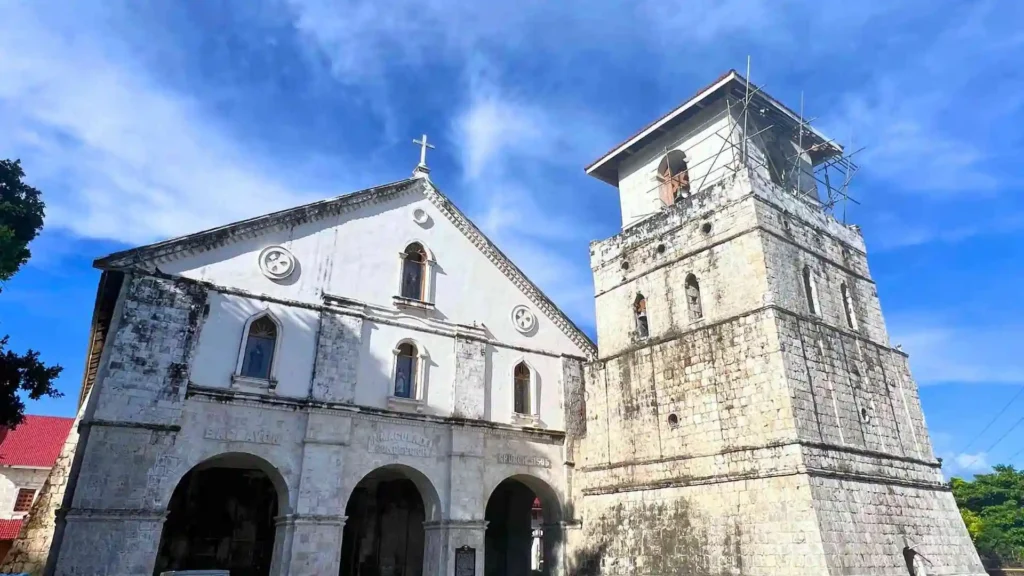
(470, 378)
(719, 382)
(28, 553)
(145, 378)
(337, 357)
(763, 438)
(762, 526)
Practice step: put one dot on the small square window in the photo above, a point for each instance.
(23, 503)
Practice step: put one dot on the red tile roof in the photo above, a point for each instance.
(35, 442)
(9, 529)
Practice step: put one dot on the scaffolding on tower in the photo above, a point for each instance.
(832, 174)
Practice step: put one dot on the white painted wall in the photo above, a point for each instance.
(701, 139)
(356, 255)
(14, 479)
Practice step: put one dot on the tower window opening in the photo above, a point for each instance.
(811, 291)
(851, 318)
(673, 178)
(640, 313)
(693, 301)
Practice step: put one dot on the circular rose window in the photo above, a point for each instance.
(523, 319)
(276, 262)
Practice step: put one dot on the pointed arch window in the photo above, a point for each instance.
(640, 315)
(260, 347)
(414, 272)
(522, 381)
(811, 291)
(693, 301)
(851, 317)
(406, 364)
(673, 177)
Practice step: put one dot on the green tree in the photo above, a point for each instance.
(991, 506)
(21, 218)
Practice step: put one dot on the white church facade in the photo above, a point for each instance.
(367, 386)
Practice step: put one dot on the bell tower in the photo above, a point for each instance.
(747, 414)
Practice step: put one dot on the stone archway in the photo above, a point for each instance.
(523, 533)
(384, 533)
(221, 515)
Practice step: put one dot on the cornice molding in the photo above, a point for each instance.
(510, 270)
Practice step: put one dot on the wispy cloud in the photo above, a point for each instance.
(941, 353)
(120, 157)
(506, 147)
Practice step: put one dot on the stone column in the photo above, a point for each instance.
(444, 538)
(554, 547)
(110, 541)
(312, 544)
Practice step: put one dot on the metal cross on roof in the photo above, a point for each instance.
(423, 152)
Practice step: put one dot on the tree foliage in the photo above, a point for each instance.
(21, 219)
(992, 506)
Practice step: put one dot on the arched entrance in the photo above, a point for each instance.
(384, 533)
(523, 536)
(221, 516)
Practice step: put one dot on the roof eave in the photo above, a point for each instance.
(606, 167)
(214, 237)
(655, 126)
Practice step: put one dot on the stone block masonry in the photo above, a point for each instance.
(766, 437)
(337, 357)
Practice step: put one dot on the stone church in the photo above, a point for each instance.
(281, 396)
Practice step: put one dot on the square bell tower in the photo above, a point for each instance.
(747, 414)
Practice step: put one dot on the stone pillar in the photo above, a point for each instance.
(470, 378)
(337, 357)
(110, 542)
(554, 547)
(311, 545)
(444, 538)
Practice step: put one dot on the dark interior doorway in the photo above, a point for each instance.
(220, 518)
(384, 534)
(513, 540)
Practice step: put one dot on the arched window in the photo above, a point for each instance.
(851, 318)
(406, 358)
(693, 298)
(258, 353)
(811, 291)
(521, 383)
(640, 313)
(414, 272)
(673, 177)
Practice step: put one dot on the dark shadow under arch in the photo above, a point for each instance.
(222, 514)
(384, 531)
(520, 539)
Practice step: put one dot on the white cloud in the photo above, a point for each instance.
(964, 464)
(941, 353)
(505, 145)
(119, 157)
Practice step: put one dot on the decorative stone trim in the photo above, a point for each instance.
(114, 514)
(403, 302)
(310, 519)
(184, 246)
(531, 420)
(405, 404)
(510, 270)
(249, 384)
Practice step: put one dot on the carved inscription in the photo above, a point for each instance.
(401, 444)
(520, 460)
(251, 436)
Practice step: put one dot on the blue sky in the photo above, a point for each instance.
(145, 120)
